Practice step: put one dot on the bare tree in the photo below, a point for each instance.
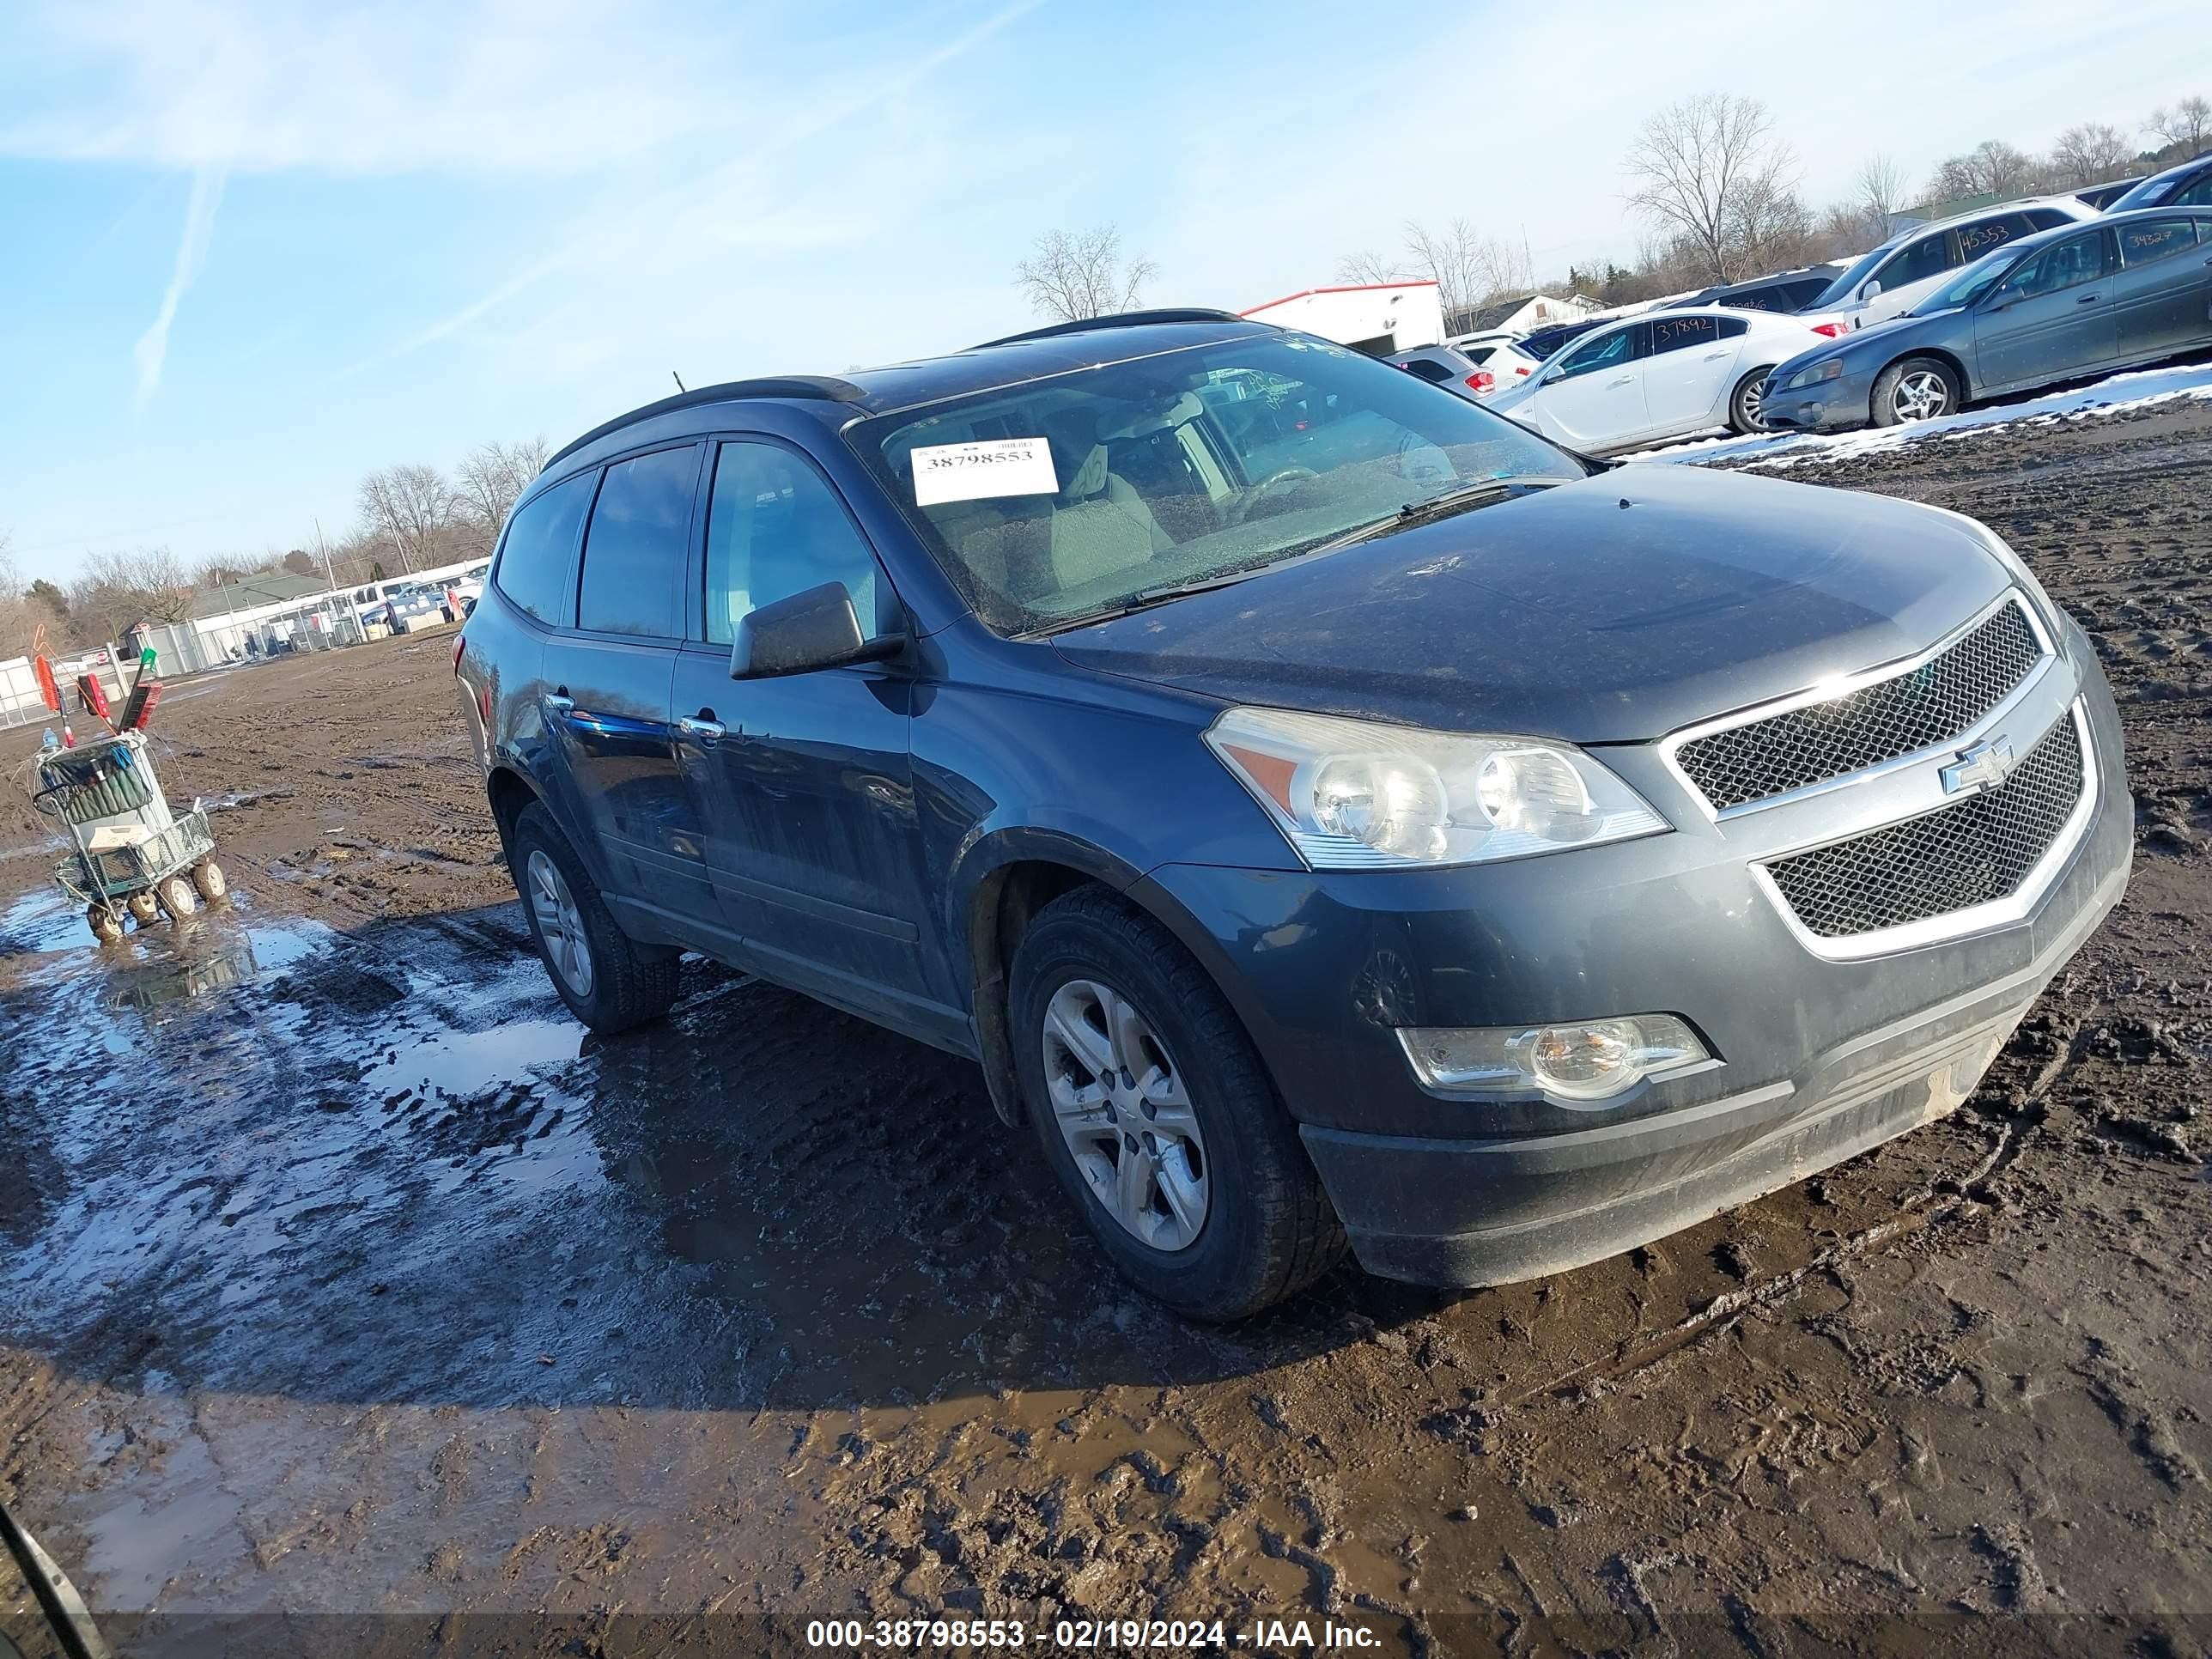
(2187, 126)
(119, 590)
(1992, 167)
(1880, 192)
(489, 480)
(1075, 275)
(1369, 268)
(2090, 154)
(1704, 169)
(410, 507)
(1467, 266)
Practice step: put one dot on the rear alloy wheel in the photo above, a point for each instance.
(609, 980)
(1747, 403)
(1155, 1111)
(1917, 389)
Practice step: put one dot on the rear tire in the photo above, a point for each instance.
(1268, 1229)
(145, 909)
(1745, 402)
(1915, 389)
(609, 980)
(107, 923)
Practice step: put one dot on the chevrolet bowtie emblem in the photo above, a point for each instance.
(1983, 765)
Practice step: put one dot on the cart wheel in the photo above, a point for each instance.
(208, 877)
(177, 896)
(143, 908)
(107, 923)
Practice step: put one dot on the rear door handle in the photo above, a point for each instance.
(2085, 299)
(560, 702)
(1626, 379)
(706, 730)
(1714, 356)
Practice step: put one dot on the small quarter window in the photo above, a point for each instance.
(540, 549)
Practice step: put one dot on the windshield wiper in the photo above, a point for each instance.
(1465, 498)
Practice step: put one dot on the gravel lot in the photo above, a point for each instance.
(348, 1283)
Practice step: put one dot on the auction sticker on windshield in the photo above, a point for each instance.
(992, 466)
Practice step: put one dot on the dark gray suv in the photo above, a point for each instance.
(1323, 808)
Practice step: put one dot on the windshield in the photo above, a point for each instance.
(1970, 284)
(1859, 270)
(1070, 497)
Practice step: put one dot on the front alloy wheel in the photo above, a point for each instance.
(1124, 1110)
(568, 951)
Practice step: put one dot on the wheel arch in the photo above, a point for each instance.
(1006, 882)
(1942, 354)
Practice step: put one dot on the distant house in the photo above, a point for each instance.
(1518, 313)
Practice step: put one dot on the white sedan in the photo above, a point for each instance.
(1659, 375)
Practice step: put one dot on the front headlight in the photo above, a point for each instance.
(1354, 795)
(1831, 370)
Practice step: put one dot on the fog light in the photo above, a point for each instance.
(1585, 1060)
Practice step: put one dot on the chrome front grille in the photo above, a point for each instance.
(1921, 705)
(1979, 852)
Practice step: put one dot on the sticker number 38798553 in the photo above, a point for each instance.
(994, 467)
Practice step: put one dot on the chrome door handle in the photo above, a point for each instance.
(705, 731)
(560, 703)
(1626, 379)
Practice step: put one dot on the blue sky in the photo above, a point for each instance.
(254, 250)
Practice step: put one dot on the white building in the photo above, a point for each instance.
(1379, 318)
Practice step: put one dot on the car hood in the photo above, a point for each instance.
(1864, 349)
(1611, 610)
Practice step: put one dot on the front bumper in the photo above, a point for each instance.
(1825, 406)
(1822, 1058)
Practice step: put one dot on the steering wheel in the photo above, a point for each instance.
(1255, 494)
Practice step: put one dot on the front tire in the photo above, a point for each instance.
(209, 879)
(1915, 389)
(175, 892)
(1156, 1115)
(609, 980)
(1746, 401)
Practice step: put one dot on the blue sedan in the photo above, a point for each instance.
(2113, 292)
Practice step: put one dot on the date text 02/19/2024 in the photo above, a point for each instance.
(1087, 1635)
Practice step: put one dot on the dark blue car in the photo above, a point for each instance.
(2114, 293)
(1325, 810)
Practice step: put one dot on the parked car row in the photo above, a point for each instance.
(2016, 296)
(2121, 291)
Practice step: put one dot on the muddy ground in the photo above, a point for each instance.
(348, 1283)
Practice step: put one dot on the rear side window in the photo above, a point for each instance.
(2199, 193)
(1681, 333)
(1481, 355)
(1429, 370)
(2153, 240)
(536, 558)
(2045, 218)
(634, 551)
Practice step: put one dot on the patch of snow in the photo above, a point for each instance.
(2114, 395)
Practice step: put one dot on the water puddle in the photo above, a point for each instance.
(469, 1062)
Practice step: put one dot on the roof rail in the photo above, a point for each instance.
(823, 386)
(1119, 319)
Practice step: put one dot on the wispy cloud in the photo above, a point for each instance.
(152, 350)
(670, 210)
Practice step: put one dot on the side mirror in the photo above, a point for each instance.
(1872, 290)
(815, 628)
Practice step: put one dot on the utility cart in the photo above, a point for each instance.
(134, 857)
